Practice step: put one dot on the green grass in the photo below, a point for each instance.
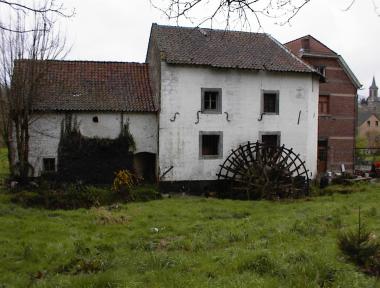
(186, 242)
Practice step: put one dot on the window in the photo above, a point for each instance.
(323, 105)
(321, 69)
(368, 123)
(211, 100)
(270, 138)
(270, 102)
(48, 165)
(95, 119)
(305, 44)
(210, 145)
(377, 123)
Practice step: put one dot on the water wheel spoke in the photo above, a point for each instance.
(270, 172)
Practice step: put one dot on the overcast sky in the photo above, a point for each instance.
(118, 30)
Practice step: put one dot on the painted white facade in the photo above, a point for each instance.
(241, 98)
(45, 132)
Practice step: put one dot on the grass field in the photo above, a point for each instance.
(186, 242)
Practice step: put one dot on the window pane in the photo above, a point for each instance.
(323, 105)
(270, 102)
(271, 140)
(210, 145)
(211, 99)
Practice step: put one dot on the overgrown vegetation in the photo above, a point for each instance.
(92, 160)
(74, 196)
(126, 186)
(186, 242)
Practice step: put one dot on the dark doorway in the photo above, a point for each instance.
(145, 166)
(322, 156)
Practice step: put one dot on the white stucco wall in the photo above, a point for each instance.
(46, 128)
(241, 98)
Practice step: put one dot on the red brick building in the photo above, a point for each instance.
(337, 103)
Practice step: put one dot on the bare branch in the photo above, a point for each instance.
(48, 10)
(231, 11)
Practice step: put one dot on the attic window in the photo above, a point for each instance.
(369, 123)
(305, 44)
(95, 119)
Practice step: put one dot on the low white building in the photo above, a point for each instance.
(201, 93)
(102, 97)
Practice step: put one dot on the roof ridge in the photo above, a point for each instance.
(209, 29)
(291, 54)
(83, 61)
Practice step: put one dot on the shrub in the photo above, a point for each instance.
(123, 183)
(145, 193)
(84, 261)
(362, 248)
(71, 196)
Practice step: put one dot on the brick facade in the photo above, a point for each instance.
(337, 119)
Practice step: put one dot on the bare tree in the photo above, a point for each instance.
(47, 9)
(236, 11)
(22, 69)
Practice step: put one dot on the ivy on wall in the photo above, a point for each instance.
(92, 160)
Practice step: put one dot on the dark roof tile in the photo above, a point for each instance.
(92, 86)
(225, 49)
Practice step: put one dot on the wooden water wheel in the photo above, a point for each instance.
(256, 171)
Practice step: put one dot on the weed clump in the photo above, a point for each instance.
(261, 264)
(85, 261)
(362, 248)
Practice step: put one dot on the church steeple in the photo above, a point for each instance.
(373, 91)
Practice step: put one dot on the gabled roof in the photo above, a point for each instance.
(225, 49)
(320, 50)
(91, 86)
(364, 115)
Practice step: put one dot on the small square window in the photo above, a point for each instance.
(270, 139)
(377, 123)
(211, 100)
(48, 165)
(210, 145)
(368, 123)
(270, 102)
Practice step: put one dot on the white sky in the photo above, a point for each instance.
(118, 30)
